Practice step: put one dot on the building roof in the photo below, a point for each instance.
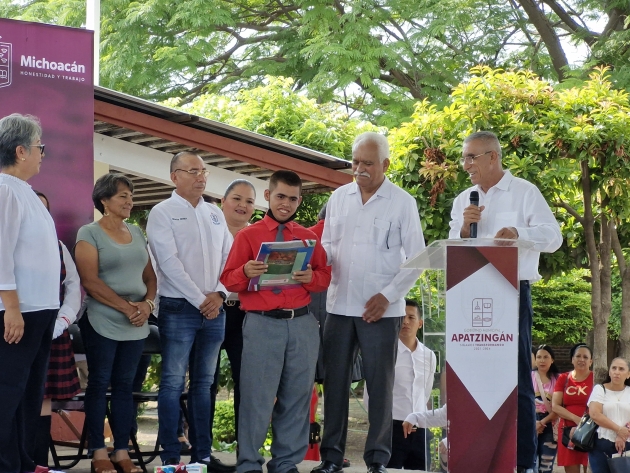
(231, 151)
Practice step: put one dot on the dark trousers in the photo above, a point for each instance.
(410, 453)
(23, 370)
(111, 363)
(598, 457)
(233, 346)
(526, 435)
(343, 337)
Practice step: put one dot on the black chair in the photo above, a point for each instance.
(74, 404)
(151, 347)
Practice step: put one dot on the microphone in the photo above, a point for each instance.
(474, 200)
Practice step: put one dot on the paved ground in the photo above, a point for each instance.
(354, 450)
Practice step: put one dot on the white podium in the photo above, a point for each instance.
(481, 348)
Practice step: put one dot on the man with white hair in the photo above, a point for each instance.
(371, 228)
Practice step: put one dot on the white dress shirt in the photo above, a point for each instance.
(190, 246)
(513, 202)
(413, 380)
(71, 295)
(366, 244)
(432, 418)
(29, 252)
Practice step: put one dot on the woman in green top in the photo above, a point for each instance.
(120, 283)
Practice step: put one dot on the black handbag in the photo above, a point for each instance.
(585, 434)
(619, 464)
(314, 435)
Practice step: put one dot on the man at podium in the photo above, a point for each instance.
(504, 206)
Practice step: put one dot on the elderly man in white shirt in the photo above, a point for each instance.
(415, 367)
(190, 241)
(371, 228)
(510, 208)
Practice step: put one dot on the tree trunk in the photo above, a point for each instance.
(600, 348)
(624, 272)
(600, 321)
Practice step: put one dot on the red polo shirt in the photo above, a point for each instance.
(245, 248)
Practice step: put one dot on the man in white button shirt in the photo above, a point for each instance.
(190, 241)
(371, 228)
(511, 208)
(415, 366)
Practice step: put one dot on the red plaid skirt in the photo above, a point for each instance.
(62, 381)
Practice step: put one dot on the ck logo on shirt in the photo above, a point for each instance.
(215, 219)
(579, 390)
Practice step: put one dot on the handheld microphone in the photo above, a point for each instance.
(474, 200)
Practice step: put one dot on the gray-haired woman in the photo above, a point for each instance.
(29, 289)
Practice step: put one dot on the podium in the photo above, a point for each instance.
(481, 348)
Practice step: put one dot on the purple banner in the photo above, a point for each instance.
(46, 71)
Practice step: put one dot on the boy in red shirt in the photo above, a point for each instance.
(280, 335)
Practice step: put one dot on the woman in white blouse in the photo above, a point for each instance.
(609, 407)
(29, 288)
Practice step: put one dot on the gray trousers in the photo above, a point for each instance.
(343, 336)
(278, 364)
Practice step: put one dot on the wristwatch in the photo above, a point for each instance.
(222, 294)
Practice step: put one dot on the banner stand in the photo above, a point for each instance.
(481, 349)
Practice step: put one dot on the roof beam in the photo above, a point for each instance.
(205, 140)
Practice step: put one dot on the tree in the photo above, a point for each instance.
(374, 57)
(562, 309)
(570, 142)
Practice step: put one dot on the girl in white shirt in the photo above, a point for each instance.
(609, 407)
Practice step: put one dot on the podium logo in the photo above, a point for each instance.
(482, 312)
(5, 64)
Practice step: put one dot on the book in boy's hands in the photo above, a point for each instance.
(283, 258)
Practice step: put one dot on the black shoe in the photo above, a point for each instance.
(376, 468)
(217, 466)
(170, 461)
(346, 463)
(326, 467)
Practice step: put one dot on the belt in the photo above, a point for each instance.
(283, 313)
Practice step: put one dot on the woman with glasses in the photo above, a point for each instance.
(544, 378)
(29, 289)
(115, 270)
(569, 401)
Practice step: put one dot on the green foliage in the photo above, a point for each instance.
(545, 134)
(275, 110)
(562, 311)
(224, 432)
(310, 207)
(372, 58)
(154, 374)
(223, 428)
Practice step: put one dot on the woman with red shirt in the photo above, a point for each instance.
(569, 401)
